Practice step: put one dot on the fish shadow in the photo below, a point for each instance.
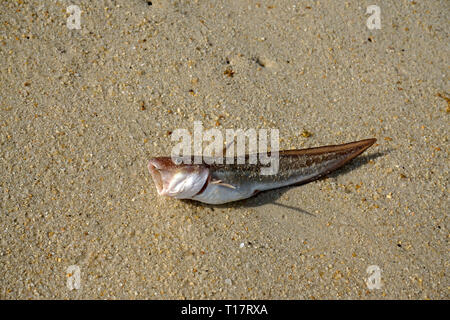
(271, 196)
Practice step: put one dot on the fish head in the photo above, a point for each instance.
(181, 181)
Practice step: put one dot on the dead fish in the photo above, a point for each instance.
(222, 183)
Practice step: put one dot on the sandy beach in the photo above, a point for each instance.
(82, 110)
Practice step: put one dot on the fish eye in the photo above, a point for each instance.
(177, 161)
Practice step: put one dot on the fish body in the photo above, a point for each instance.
(221, 183)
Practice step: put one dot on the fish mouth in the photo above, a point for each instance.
(154, 167)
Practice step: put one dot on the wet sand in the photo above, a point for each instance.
(83, 110)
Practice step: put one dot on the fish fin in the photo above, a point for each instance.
(360, 145)
(220, 183)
